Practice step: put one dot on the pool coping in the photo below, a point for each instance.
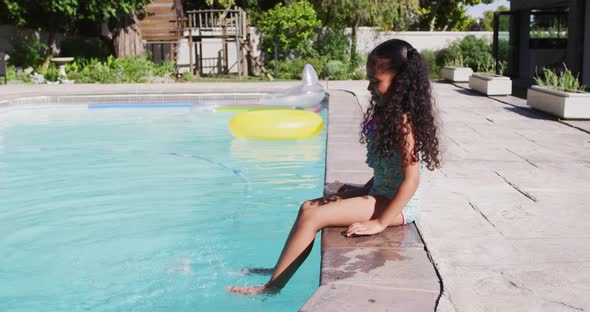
(391, 270)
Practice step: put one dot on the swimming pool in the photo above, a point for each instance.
(146, 210)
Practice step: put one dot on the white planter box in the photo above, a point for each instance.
(563, 104)
(490, 84)
(456, 74)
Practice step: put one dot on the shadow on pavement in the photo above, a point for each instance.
(531, 113)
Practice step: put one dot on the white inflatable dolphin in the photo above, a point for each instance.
(310, 92)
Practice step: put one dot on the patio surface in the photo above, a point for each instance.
(503, 220)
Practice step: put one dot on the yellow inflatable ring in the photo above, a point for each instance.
(276, 125)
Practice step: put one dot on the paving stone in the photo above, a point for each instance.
(354, 298)
(392, 267)
(398, 236)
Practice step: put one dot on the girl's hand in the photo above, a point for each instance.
(365, 228)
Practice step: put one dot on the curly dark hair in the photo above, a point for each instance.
(406, 106)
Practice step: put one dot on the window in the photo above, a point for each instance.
(548, 30)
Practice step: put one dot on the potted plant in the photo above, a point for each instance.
(455, 70)
(489, 83)
(561, 95)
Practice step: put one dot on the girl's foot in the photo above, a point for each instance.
(253, 290)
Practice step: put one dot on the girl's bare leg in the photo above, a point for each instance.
(313, 216)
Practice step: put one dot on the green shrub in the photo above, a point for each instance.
(336, 70)
(333, 44)
(51, 73)
(188, 76)
(449, 56)
(477, 53)
(503, 56)
(358, 75)
(470, 51)
(92, 71)
(133, 69)
(165, 69)
(27, 52)
(564, 81)
(429, 57)
(292, 69)
(289, 28)
(358, 63)
(114, 70)
(11, 73)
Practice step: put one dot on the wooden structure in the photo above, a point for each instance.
(159, 28)
(218, 40)
(230, 27)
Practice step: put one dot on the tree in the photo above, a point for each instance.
(289, 29)
(447, 14)
(253, 7)
(487, 22)
(55, 16)
(386, 14)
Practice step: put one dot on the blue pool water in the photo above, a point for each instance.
(146, 210)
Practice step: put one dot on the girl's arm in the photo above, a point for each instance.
(396, 205)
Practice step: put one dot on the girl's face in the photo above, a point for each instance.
(379, 81)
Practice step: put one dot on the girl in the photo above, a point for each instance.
(400, 132)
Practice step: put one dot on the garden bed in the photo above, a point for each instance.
(490, 84)
(567, 105)
(456, 74)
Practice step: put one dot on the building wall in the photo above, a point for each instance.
(536, 4)
(523, 45)
(586, 50)
(368, 38)
(575, 35)
(554, 57)
(578, 46)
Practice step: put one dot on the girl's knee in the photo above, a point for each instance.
(307, 208)
(306, 205)
(308, 215)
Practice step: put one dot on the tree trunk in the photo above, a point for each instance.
(434, 15)
(51, 47)
(353, 36)
(276, 61)
(432, 22)
(127, 37)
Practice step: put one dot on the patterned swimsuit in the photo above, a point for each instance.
(388, 175)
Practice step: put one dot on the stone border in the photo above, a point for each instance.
(194, 98)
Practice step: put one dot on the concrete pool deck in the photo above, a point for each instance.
(502, 220)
